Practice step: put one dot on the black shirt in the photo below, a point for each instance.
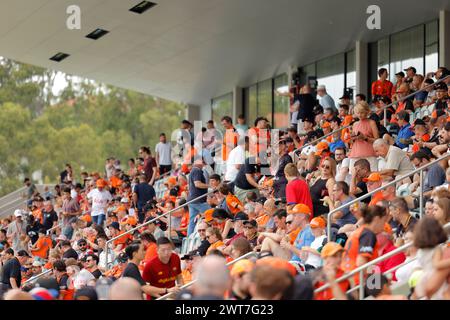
(11, 269)
(249, 167)
(203, 247)
(132, 271)
(305, 110)
(194, 192)
(145, 192)
(71, 253)
(363, 186)
(97, 273)
(33, 230)
(49, 218)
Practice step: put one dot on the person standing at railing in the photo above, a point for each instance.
(100, 198)
(163, 154)
(364, 132)
(382, 86)
(197, 187)
(70, 209)
(142, 193)
(49, 216)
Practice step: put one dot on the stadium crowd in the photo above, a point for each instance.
(256, 193)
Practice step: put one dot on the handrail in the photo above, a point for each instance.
(151, 221)
(384, 109)
(248, 254)
(361, 269)
(54, 228)
(398, 179)
(40, 275)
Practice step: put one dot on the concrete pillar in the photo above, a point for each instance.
(361, 63)
(444, 38)
(193, 113)
(238, 107)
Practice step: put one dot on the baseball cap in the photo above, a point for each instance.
(190, 255)
(330, 249)
(23, 253)
(240, 216)
(122, 257)
(124, 200)
(251, 222)
(18, 213)
(440, 86)
(241, 266)
(277, 263)
(300, 208)
(61, 237)
(401, 73)
(410, 68)
(325, 124)
(321, 147)
(42, 294)
(321, 87)
(373, 177)
(101, 183)
(345, 96)
(37, 263)
(131, 221)
(171, 181)
(86, 218)
(114, 225)
(209, 215)
(418, 122)
(317, 222)
(81, 241)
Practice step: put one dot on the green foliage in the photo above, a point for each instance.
(85, 124)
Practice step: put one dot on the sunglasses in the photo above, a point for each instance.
(201, 230)
(325, 167)
(288, 222)
(89, 260)
(248, 227)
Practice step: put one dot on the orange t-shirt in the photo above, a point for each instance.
(115, 182)
(230, 141)
(214, 246)
(124, 239)
(43, 245)
(151, 252)
(233, 203)
(37, 214)
(328, 293)
(262, 140)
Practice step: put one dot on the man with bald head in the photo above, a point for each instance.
(125, 289)
(212, 278)
(395, 162)
(269, 210)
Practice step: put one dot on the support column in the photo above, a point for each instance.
(238, 107)
(444, 38)
(193, 113)
(361, 63)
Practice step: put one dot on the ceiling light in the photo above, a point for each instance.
(97, 33)
(142, 7)
(60, 56)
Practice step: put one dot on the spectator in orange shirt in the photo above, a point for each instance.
(230, 139)
(259, 138)
(382, 86)
(42, 245)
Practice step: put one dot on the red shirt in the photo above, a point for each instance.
(391, 262)
(162, 275)
(382, 88)
(297, 191)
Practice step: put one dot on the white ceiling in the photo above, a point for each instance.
(192, 50)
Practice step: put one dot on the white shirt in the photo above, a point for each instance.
(344, 164)
(164, 150)
(314, 259)
(236, 156)
(100, 200)
(102, 258)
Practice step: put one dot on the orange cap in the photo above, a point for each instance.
(373, 177)
(330, 249)
(208, 215)
(171, 181)
(241, 266)
(300, 208)
(321, 146)
(131, 221)
(101, 183)
(277, 263)
(120, 209)
(86, 218)
(268, 183)
(317, 222)
(326, 124)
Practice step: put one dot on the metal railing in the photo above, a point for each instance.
(54, 228)
(245, 256)
(384, 111)
(40, 275)
(149, 222)
(360, 270)
(395, 181)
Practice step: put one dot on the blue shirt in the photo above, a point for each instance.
(336, 144)
(304, 238)
(404, 133)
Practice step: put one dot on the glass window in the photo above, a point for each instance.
(330, 72)
(265, 99)
(222, 106)
(407, 50)
(351, 70)
(281, 104)
(251, 105)
(383, 53)
(431, 46)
